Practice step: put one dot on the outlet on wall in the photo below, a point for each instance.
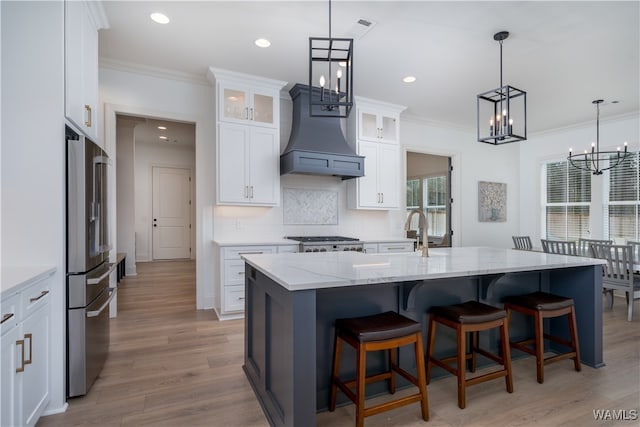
(239, 224)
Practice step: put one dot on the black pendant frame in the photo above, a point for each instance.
(327, 55)
(506, 99)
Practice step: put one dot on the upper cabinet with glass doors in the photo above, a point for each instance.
(239, 102)
(376, 124)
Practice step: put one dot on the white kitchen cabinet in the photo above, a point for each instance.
(239, 103)
(230, 301)
(248, 165)
(25, 354)
(82, 21)
(374, 133)
(394, 247)
(379, 188)
(247, 139)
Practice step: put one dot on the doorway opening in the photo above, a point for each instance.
(155, 166)
(429, 190)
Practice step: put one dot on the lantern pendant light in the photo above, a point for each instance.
(502, 112)
(330, 75)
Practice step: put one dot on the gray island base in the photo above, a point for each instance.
(292, 301)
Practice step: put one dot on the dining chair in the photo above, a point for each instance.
(635, 251)
(583, 245)
(617, 273)
(562, 247)
(522, 242)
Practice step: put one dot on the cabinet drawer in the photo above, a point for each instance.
(233, 298)
(370, 248)
(233, 271)
(237, 252)
(9, 312)
(288, 249)
(34, 297)
(395, 247)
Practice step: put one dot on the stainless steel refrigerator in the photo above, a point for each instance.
(88, 292)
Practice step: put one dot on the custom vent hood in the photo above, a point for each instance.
(317, 145)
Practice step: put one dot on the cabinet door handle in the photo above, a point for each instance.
(42, 293)
(381, 197)
(6, 317)
(246, 113)
(251, 193)
(21, 344)
(87, 109)
(246, 191)
(251, 111)
(240, 273)
(30, 338)
(250, 253)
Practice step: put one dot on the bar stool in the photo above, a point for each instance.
(386, 331)
(471, 316)
(542, 305)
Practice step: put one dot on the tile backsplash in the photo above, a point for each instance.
(306, 206)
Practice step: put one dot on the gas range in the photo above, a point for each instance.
(327, 243)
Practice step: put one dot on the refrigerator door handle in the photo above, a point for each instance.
(95, 313)
(97, 280)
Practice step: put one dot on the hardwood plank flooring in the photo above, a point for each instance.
(171, 365)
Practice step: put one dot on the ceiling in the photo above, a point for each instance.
(161, 132)
(563, 54)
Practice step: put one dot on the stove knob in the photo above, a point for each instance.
(323, 250)
(346, 249)
(316, 250)
(359, 249)
(308, 250)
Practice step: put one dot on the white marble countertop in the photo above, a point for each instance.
(15, 279)
(300, 271)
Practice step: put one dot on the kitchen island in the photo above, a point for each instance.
(292, 301)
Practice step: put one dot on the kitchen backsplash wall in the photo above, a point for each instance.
(302, 206)
(246, 223)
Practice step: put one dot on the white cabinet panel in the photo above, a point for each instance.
(248, 139)
(81, 65)
(10, 360)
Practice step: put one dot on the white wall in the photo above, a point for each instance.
(554, 145)
(125, 203)
(146, 157)
(141, 93)
(33, 156)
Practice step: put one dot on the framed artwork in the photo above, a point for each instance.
(492, 201)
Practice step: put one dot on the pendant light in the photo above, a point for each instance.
(330, 75)
(502, 112)
(597, 161)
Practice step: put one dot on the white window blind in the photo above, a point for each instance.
(567, 201)
(623, 201)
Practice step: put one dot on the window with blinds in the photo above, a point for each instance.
(622, 201)
(567, 201)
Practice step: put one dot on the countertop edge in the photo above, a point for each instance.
(14, 279)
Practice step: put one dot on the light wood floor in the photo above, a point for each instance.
(171, 365)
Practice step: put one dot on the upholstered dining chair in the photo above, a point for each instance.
(562, 247)
(522, 242)
(617, 273)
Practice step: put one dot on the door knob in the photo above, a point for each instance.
(155, 225)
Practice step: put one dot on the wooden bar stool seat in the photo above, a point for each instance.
(543, 305)
(386, 331)
(470, 317)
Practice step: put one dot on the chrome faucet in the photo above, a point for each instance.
(422, 222)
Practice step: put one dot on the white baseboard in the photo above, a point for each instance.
(53, 411)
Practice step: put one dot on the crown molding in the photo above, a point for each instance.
(146, 70)
(582, 125)
(412, 118)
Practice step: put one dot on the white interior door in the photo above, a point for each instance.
(171, 213)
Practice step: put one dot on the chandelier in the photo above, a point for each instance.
(330, 75)
(502, 112)
(597, 161)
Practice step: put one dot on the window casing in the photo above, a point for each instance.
(566, 201)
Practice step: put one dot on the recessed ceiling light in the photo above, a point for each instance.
(409, 79)
(262, 43)
(160, 18)
(163, 137)
(162, 127)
